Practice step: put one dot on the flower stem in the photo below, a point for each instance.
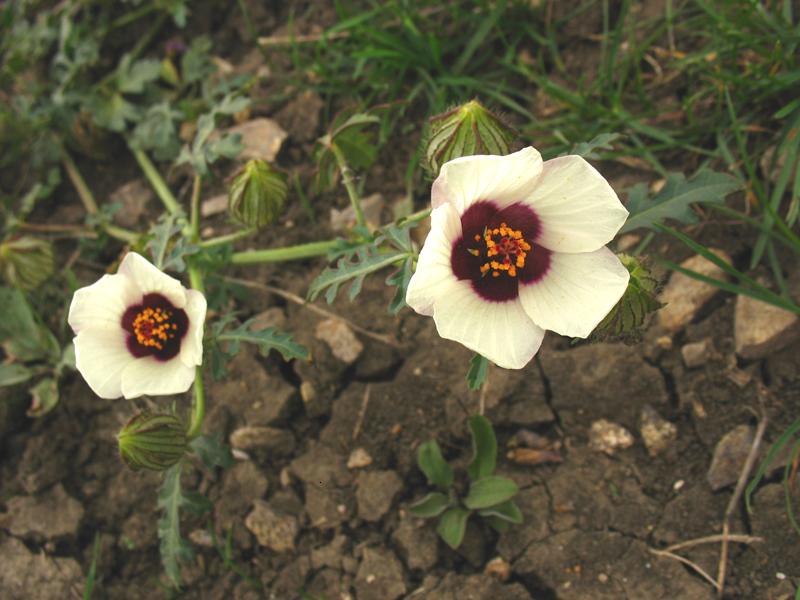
(198, 406)
(192, 231)
(349, 183)
(250, 257)
(88, 201)
(224, 239)
(159, 185)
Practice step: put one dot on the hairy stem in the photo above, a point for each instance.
(225, 239)
(252, 257)
(349, 183)
(192, 231)
(159, 185)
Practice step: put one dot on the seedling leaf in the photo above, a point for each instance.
(490, 491)
(431, 505)
(432, 463)
(484, 448)
(452, 525)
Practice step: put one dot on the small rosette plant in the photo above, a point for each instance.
(516, 247)
(488, 495)
(137, 332)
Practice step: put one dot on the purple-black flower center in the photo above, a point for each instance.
(497, 250)
(155, 327)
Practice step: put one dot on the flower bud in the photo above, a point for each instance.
(154, 442)
(638, 301)
(257, 195)
(26, 261)
(463, 131)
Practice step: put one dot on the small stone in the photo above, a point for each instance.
(684, 296)
(202, 537)
(133, 198)
(322, 506)
(606, 436)
(498, 568)
(242, 484)
(278, 441)
(274, 316)
(215, 205)
(321, 466)
(658, 434)
(25, 575)
(342, 220)
(48, 515)
(301, 116)
(340, 339)
(271, 529)
(262, 138)
(730, 455)
(330, 555)
(759, 329)
(359, 458)
(314, 403)
(417, 543)
(272, 404)
(376, 491)
(380, 576)
(696, 354)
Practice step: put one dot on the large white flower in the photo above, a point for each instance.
(516, 247)
(137, 332)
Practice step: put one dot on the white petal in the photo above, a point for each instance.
(503, 179)
(192, 343)
(576, 293)
(103, 303)
(500, 331)
(101, 356)
(433, 267)
(150, 376)
(150, 280)
(579, 210)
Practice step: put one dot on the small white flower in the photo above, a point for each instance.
(517, 246)
(137, 332)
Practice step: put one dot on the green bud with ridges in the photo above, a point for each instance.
(151, 441)
(464, 131)
(639, 300)
(258, 194)
(26, 262)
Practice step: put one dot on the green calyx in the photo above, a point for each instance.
(464, 131)
(26, 262)
(257, 195)
(154, 442)
(639, 300)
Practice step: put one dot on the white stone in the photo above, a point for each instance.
(340, 339)
(262, 138)
(607, 436)
(759, 329)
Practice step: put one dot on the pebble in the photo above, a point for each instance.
(376, 492)
(696, 354)
(498, 568)
(273, 530)
(279, 441)
(359, 458)
(340, 339)
(262, 138)
(730, 455)
(417, 543)
(214, 206)
(380, 576)
(133, 198)
(684, 296)
(24, 574)
(342, 220)
(759, 329)
(607, 436)
(658, 434)
(274, 316)
(51, 514)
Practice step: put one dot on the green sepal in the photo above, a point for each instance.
(258, 194)
(26, 262)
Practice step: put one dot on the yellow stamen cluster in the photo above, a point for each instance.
(506, 249)
(153, 327)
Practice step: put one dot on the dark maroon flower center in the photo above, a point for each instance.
(497, 250)
(155, 327)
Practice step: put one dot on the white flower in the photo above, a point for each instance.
(137, 332)
(516, 247)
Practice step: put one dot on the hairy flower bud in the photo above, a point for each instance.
(154, 442)
(26, 261)
(257, 195)
(638, 301)
(464, 131)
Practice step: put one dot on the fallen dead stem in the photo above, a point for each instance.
(361, 413)
(379, 337)
(725, 537)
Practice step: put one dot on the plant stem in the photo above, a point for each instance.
(192, 231)
(88, 201)
(349, 183)
(193, 228)
(224, 239)
(198, 406)
(159, 185)
(250, 257)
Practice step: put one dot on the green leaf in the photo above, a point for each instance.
(588, 149)
(44, 397)
(498, 524)
(452, 525)
(400, 278)
(478, 369)
(489, 491)
(113, 111)
(675, 199)
(212, 451)
(131, 79)
(266, 340)
(432, 463)
(431, 505)
(14, 373)
(347, 269)
(171, 499)
(157, 131)
(21, 336)
(196, 64)
(506, 511)
(484, 448)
